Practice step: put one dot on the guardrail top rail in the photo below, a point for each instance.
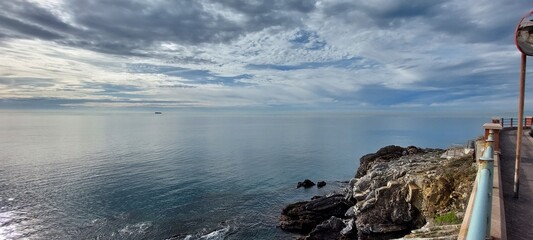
(479, 227)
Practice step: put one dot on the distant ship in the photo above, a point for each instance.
(158, 113)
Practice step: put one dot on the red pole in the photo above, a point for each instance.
(520, 119)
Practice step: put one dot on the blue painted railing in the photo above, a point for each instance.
(479, 227)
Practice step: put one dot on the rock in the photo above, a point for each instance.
(429, 231)
(350, 213)
(395, 191)
(327, 230)
(295, 218)
(413, 150)
(395, 197)
(385, 153)
(349, 232)
(306, 184)
(316, 197)
(387, 213)
(302, 217)
(320, 184)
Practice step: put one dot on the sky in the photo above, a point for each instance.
(244, 54)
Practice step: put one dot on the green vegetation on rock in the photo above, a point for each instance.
(447, 218)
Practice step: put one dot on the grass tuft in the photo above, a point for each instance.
(447, 218)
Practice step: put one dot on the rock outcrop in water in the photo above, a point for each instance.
(395, 191)
(306, 184)
(303, 217)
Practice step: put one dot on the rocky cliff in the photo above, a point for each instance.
(394, 191)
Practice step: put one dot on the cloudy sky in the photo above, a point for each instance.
(297, 54)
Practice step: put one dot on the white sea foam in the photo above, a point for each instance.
(135, 229)
(219, 234)
(216, 235)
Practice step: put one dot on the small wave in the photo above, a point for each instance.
(219, 234)
(135, 229)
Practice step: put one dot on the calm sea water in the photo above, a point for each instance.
(186, 175)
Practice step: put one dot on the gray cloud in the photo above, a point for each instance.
(34, 82)
(266, 8)
(47, 103)
(140, 23)
(135, 27)
(130, 27)
(31, 20)
(191, 75)
(440, 16)
(27, 29)
(388, 14)
(263, 14)
(380, 11)
(114, 88)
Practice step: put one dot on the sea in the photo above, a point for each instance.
(188, 175)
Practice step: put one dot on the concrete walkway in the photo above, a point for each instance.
(518, 212)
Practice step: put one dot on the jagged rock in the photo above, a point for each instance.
(429, 231)
(387, 213)
(413, 150)
(320, 184)
(316, 197)
(349, 231)
(327, 230)
(385, 153)
(350, 213)
(295, 218)
(306, 184)
(394, 197)
(302, 217)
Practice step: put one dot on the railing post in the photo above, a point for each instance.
(495, 128)
(481, 214)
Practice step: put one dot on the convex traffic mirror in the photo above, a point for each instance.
(524, 35)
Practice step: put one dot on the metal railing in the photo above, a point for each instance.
(479, 226)
(513, 122)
